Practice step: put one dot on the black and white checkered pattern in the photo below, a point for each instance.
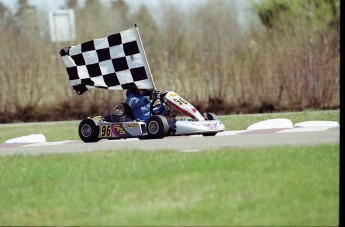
(115, 62)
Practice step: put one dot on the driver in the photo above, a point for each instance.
(140, 101)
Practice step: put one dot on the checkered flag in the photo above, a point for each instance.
(115, 62)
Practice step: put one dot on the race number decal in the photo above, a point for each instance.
(180, 101)
(105, 131)
(183, 106)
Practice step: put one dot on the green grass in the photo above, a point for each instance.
(242, 121)
(281, 186)
(52, 132)
(69, 130)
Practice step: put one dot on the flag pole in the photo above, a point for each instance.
(147, 66)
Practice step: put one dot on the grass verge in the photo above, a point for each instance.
(279, 186)
(242, 121)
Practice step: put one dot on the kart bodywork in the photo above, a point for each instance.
(122, 124)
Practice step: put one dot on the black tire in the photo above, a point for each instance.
(209, 134)
(157, 127)
(211, 116)
(88, 131)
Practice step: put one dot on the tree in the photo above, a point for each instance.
(72, 4)
(284, 14)
(304, 35)
(3, 9)
(6, 19)
(120, 8)
(26, 20)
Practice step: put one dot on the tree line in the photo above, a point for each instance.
(286, 58)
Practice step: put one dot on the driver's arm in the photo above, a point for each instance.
(135, 102)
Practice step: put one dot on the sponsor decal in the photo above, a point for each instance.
(172, 94)
(130, 125)
(211, 126)
(117, 130)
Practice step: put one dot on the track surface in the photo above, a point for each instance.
(254, 138)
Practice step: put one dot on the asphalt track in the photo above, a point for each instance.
(244, 138)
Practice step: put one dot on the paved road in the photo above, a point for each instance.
(259, 138)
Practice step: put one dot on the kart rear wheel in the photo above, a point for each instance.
(157, 127)
(88, 131)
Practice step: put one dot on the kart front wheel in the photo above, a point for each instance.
(209, 134)
(88, 131)
(211, 116)
(157, 127)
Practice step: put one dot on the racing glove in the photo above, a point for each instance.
(155, 95)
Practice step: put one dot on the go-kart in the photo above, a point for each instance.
(122, 124)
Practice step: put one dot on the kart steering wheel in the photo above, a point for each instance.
(152, 106)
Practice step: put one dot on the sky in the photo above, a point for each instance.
(56, 4)
(242, 5)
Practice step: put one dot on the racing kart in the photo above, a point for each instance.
(122, 124)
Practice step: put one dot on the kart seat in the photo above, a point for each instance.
(127, 110)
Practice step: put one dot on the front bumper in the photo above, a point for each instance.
(198, 127)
